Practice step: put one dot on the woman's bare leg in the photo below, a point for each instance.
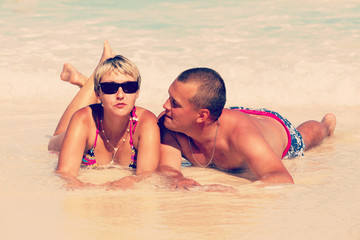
(73, 76)
(84, 97)
(314, 132)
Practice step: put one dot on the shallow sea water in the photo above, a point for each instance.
(323, 204)
(301, 59)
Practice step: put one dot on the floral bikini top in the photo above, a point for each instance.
(89, 159)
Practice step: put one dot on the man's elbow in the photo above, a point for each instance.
(277, 178)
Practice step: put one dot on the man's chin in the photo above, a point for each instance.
(168, 123)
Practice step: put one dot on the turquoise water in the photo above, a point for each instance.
(301, 58)
(311, 48)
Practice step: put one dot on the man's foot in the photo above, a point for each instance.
(329, 120)
(73, 76)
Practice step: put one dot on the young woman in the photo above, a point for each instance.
(102, 125)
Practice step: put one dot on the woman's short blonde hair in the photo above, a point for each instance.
(118, 63)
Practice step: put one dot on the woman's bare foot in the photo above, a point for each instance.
(329, 120)
(73, 76)
(107, 52)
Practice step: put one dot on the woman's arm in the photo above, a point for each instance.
(148, 143)
(73, 147)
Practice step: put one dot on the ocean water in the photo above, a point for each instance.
(301, 58)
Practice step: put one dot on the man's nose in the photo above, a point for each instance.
(166, 105)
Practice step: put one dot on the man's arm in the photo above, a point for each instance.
(170, 160)
(172, 169)
(261, 158)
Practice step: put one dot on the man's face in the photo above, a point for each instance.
(179, 112)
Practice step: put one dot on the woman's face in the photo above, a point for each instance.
(120, 103)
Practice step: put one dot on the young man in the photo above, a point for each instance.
(196, 126)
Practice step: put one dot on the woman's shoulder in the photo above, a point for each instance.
(146, 120)
(87, 114)
(144, 114)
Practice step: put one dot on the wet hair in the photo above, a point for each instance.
(118, 63)
(211, 92)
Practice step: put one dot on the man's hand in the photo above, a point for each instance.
(218, 188)
(183, 183)
(176, 179)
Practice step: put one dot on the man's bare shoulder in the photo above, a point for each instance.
(239, 128)
(236, 121)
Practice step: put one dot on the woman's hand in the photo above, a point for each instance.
(72, 182)
(121, 184)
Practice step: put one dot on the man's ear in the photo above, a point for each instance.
(203, 115)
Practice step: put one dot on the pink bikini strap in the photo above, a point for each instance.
(133, 123)
(97, 133)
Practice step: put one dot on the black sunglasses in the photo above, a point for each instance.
(112, 87)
